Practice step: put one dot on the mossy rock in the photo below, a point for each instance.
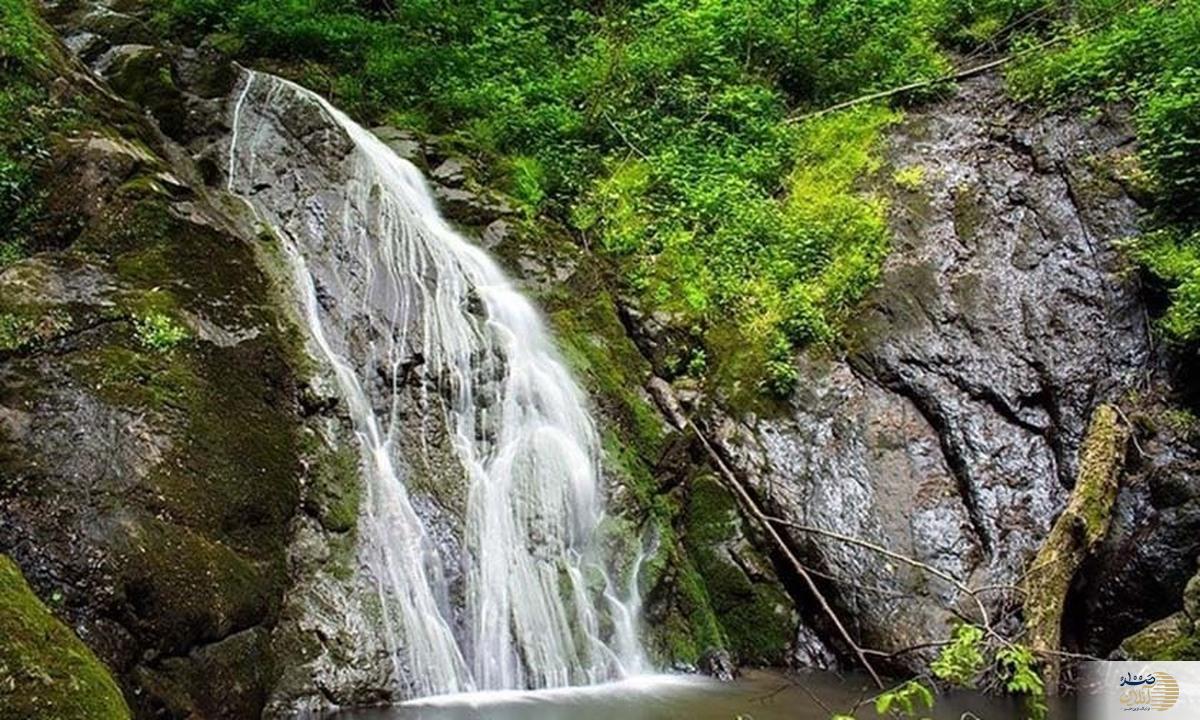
(1172, 638)
(46, 672)
(756, 616)
(1191, 599)
(187, 590)
(144, 76)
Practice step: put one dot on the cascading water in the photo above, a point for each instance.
(390, 291)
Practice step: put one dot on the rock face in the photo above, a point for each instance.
(950, 432)
(1153, 549)
(156, 452)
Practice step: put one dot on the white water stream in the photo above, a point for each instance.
(387, 286)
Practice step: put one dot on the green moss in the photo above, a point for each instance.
(131, 377)
(23, 327)
(595, 345)
(968, 216)
(144, 77)
(1076, 532)
(335, 491)
(756, 616)
(186, 589)
(46, 672)
(1172, 638)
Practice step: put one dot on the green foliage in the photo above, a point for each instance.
(656, 128)
(1149, 55)
(21, 39)
(15, 331)
(1173, 254)
(25, 120)
(157, 331)
(910, 700)
(1169, 130)
(1022, 678)
(961, 661)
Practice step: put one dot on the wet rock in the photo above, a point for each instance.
(1191, 598)
(1172, 638)
(496, 233)
(718, 665)
(809, 652)
(404, 143)
(205, 72)
(452, 172)
(1140, 573)
(664, 397)
(469, 208)
(117, 28)
(150, 508)
(145, 75)
(950, 434)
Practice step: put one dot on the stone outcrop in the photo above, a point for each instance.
(951, 430)
(156, 449)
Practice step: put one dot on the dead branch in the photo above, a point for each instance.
(752, 507)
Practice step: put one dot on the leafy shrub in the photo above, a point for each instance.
(907, 701)
(1022, 678)
(961, 661)
(1169, 129)
(157, 331)
(1173, 254)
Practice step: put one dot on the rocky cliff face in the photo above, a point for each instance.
(127, 491)
(950, 431)
(194, 507)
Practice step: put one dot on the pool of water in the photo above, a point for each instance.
(757, 695)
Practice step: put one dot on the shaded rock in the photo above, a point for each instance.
(145, 75)
(1140, 573)
(404, 143)
(1173, 638)
(496, 233)
(148, 490)
(809, 652)
(1191, 599)
(469, 208)
(452, 172)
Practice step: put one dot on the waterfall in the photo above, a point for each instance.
(430, 343)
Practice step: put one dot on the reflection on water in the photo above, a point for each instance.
(757, 695)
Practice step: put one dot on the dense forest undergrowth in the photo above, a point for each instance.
(666, 133)
(672, 135)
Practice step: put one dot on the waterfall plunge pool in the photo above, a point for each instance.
(756, 695)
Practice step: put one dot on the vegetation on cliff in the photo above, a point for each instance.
(663, 132)
(46, 672)
(26, 117)
(1149, 57)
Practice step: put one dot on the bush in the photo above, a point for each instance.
(157, 331)
(1169, 130)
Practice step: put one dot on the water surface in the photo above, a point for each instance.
(757, 695)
